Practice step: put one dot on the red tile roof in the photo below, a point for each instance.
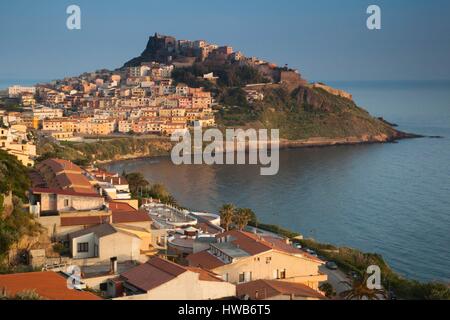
(265, 289)
(49, 285)
(205, 260)
(205, 275)
(152, 274)
(248, 242)
(84, 221)
(124, 213)
(158, 271)
(255, 244)
(65, 192)
(58, 165)
(62, 174)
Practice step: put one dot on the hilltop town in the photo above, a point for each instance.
(114, 235)
(177, 85)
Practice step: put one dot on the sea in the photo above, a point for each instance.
(392, 199)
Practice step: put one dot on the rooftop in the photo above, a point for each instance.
(168, 217)
(230, 249)
(265, 289)
(49, 285)
(158, 271)
(124, 213)
(100, 231)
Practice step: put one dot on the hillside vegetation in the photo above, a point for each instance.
(120, 148)
(352, 260)
(297, 109)
(15, 221)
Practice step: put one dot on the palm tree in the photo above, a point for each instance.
(226, 215)
(242, 217)
(137, 182)
(359, 290)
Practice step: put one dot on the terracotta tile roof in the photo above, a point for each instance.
(65, 192)
(152, 274)
(205, 260)
(255, 244)
(280, 245)
(62, 174)
(158, 271)
(124, 213)
(265, 289)
(48, 285)
(59, 165)
(71, 180)
(248, 242)
(84, 221)
(205, 275)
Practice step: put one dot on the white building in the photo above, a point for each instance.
(17, 91)
(47, 113)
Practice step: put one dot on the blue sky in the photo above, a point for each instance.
(324, 39)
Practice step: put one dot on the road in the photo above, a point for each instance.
(335, 278)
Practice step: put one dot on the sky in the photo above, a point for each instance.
(324, 39)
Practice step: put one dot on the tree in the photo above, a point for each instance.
(137, 182)
(253, 219)
(359, 290)
(159, 191)
(242, 217)
(226, 215)
(328, 289)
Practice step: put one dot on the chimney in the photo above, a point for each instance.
(113, 265)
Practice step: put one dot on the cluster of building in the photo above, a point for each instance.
(15, 140)
(131, 251)
(141, 99)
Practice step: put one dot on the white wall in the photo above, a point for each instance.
(89, 238)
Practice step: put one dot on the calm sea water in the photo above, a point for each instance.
(393, 199)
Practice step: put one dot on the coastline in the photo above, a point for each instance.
(318, 142)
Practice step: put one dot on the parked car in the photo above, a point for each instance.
(392, 296)
(331, 265)
(297, 245)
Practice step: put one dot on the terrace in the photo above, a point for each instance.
(168, 217)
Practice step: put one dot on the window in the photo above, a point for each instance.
(66, 202)
(283, 274)
(83, 247)
(241, 277)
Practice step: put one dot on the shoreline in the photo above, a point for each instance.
(318, 142)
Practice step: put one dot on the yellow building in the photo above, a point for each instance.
(241, 257)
